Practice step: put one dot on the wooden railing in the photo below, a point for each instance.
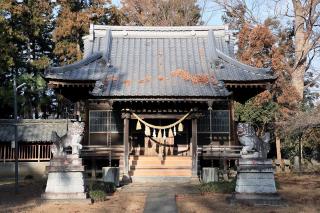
(100, 150)
(216, 151)
(26, 152)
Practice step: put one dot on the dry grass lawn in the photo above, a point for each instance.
(28, 200)
(302, 194)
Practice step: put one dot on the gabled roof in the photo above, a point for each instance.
(159, 61)
(30, 130)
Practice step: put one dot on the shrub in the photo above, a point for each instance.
(218, 187)
(107, 187)
(277, 184)
(28, 177)
(97, 195)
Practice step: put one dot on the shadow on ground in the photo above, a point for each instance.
(28, 195)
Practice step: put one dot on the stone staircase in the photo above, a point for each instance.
(172, 168)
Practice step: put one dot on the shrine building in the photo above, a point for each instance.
(158, 101)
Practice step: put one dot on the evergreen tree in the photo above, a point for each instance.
(73, 20)
(25, 52)
(161, 12)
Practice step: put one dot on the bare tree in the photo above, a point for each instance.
(307, 39)
(304, 16)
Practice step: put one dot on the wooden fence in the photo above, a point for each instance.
(27, 152)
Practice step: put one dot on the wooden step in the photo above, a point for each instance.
(154, 163)
(160, 161)
(153, 166)
(167, 158)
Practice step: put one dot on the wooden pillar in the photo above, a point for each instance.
(232, 133)
(126, 117)
(39, 152)
(4, 153)
(194, 148)
(77, 111)
(86, 138)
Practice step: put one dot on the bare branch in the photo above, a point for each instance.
(313, 82)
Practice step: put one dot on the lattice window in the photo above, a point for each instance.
(220, 122)
(101, 121)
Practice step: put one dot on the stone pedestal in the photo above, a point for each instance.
(256, 184)
(110, 174)
(210, 174)
(255, 176)
(65, 178)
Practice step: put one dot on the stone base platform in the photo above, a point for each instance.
(65, 179)
(255, 176)
(65, 185)
(64, 196)
(257, 199)
(255, 184)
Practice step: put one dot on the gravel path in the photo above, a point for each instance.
(161, 197)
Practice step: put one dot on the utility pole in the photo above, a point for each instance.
(15, 134)
(16, 157)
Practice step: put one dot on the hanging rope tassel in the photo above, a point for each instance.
(170, 135)
(174, 131)
(147, 131)
(180, 127)
(154, 133)
(138, 127)
(164, 134)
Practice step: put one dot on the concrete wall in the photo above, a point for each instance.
(36, 169)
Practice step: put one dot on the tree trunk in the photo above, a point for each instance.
(278, 148)
(300, 155)
(301, 48)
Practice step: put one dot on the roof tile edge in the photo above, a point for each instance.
(159, 28)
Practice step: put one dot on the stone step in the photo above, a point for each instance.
(161, 172)
(160, 179)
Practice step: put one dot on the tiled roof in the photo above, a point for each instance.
(32, 130)
(87, 69)
(142, 61)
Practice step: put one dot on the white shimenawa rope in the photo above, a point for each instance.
(162, 127)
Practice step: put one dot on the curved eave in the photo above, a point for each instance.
(162, 98)
(263, 74)
(58, 73)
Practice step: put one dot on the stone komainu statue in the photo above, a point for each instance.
(254, 147)
(71, 139)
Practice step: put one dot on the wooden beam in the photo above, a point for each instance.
(158, 116)
(100, 104)
(247, 85)
(58, 84)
